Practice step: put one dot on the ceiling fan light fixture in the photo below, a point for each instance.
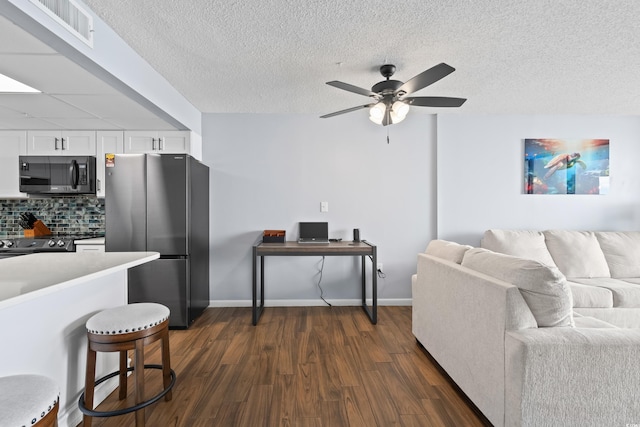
(377, 112)
(400, 108)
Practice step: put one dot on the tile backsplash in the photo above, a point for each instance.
(63, 215)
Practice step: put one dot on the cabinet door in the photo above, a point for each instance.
(12, 145)
(174, 142)
(137, 142)
(62, 143)
(108, 142)
(44, 142)
(78, 143)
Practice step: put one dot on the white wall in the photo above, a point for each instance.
(272, 171)
(480, 173)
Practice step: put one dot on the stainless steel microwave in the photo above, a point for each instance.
(57, 174)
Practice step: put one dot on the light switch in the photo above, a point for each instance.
(324, 206)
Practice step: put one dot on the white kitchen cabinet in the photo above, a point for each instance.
(109, 142)
(157, 142)
(12, 145)
(62, 143)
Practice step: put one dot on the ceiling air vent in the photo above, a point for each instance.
(71, 16)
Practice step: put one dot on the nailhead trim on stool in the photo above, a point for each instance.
(128, 318)
(26, 399)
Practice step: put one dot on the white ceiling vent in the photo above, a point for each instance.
(71, 16)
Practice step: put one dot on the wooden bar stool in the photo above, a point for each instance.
(129, 327)
(29, 400)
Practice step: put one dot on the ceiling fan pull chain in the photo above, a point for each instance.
(387, 136)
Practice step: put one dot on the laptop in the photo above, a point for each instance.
(314, 232)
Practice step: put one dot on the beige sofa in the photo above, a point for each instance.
(504, 329)
(602, 268)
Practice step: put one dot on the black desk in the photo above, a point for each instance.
(361, 249)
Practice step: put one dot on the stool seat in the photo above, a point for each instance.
(27, 399)
(128, 318)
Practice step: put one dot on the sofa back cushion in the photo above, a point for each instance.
(577, 253)
(520, 243)
(449, 251)
(622, 252)
(543, 287)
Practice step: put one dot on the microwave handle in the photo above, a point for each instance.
(74, 174)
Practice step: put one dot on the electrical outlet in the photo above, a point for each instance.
(324, 206)
(379, 267)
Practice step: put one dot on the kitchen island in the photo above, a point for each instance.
(45, 301)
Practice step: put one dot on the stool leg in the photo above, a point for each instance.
(166, 364)
(139, 378)
(123, 375)
(89, 383)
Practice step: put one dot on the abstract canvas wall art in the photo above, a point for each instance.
(566, 166)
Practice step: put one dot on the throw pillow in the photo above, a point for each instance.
(622, 252)
(543, 287)
(577, 253)
(520, 243)
(449, 251)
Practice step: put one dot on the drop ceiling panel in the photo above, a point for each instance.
(72, 97)
(31, 123)
(52, 73)
(106, 106)
(84, 124)
(132, 123)
(41, 105)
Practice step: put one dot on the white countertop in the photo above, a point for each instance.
(30, 276)
(91, 241)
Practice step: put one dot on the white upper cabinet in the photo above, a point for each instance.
(63, 143)
(109, 142)
(157, 142)
(12, 145)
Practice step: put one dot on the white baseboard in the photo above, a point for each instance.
(310, 302)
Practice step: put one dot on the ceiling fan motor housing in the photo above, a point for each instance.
(386, 87)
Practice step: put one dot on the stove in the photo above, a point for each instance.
(26, 245)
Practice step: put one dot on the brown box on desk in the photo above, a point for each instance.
(273, 236)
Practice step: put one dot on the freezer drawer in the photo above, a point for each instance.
(164, 281)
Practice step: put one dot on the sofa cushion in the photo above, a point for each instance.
(520, 243)
(625, 293)
(622, 252)
(590, 322)
(590, 295)
(577, 253)
(449, 251)
(543, 287)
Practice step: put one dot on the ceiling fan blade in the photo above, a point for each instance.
(348, 110)
(426, 78)
(434, 101)
(352, 88)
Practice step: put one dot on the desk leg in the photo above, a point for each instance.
(373, 312)
(257, 310)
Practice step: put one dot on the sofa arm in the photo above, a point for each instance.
(572, 377)
(460, 316)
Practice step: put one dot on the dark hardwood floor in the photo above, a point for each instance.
(300, 366)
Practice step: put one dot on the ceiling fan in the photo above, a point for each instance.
(391, 103)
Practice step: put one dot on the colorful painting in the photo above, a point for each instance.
(566, 166)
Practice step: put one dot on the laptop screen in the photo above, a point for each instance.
(310, 230)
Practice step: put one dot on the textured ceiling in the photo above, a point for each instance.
(274, 56)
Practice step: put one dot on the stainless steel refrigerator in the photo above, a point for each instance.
(160, 202)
